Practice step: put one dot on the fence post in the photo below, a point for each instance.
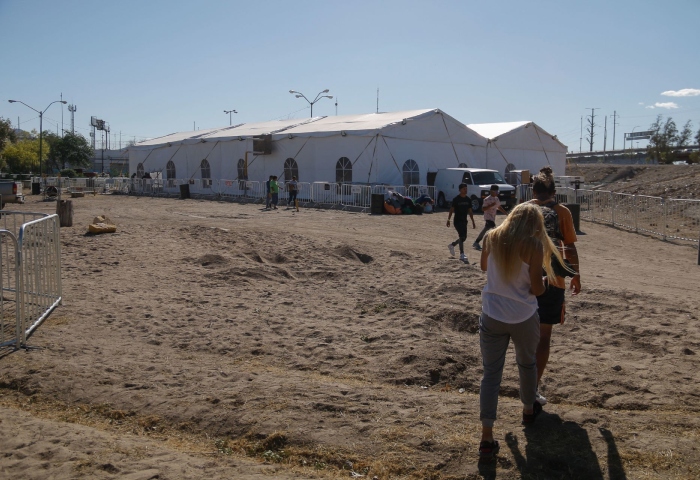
(665, 219)
(612, 208)
(634, 204)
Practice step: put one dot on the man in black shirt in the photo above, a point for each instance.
(461, 206)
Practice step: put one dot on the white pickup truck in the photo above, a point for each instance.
(10, 192)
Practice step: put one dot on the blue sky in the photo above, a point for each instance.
(150, 68)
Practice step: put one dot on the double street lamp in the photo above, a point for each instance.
(229, 115)
(318, 97)
(41, 123)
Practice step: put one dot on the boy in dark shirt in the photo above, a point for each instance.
(461, 206)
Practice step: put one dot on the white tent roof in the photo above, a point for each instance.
(312, 127)
(493, 130)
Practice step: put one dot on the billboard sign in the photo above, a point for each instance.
(640, 135)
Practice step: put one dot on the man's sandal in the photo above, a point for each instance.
(488, 449)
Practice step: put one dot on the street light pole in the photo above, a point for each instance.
(41, 124)
(229, 115)
(318, 97)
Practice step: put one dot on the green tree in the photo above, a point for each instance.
(22, 157)
(7, 133)
(685, 135)
(663, 141)
(697, 138)
(73, 149)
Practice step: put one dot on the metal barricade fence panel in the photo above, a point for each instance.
(231, 188)
(356, 195)
(650, 214)
(683, 219)
(584, 200)
(602, 206)
(303, 192)
(415, 191)
(171, 186)
(625, 210)
(326, 193)
(40, 253)
(10, 325)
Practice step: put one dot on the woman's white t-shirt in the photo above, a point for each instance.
(508, 301)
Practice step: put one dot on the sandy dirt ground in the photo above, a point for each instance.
(209, 339)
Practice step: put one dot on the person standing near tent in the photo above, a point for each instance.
(491, 205)
(513, 257)
(461, 206)
(268, 193)
(560, 228)
(274, 192)
(293, 187)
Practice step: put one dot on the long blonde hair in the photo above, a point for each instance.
(517, 238)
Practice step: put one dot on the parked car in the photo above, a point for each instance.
(10, 192)
(478, 180)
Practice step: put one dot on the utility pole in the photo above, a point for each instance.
(336, 106)
(591, 126)
(61, 114)
(580, 139)
(72, 109)
(614, 115)
(605, 138)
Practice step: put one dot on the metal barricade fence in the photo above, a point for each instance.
(231, 188)
(30, 272)
(624, 210)
(682, 219)
(10, 325)
(415, 191)
(649, 214)
(40, 251)
(664, 217)
(304, 192)
(325, 193)
(356, 196)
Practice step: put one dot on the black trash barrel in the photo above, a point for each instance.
(185, 190)
(575, 209)
(36, 188)
(377, 205)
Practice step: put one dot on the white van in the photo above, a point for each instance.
(478, 180)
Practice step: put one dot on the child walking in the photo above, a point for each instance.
(513, 257)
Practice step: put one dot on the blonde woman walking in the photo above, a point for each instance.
(513, 257)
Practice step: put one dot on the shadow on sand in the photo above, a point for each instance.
(555, 449)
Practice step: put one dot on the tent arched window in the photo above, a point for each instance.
(139, 171)
(343, 170)
(242, 173)
(170, 173)
(411, 173)
(510, 167)
(206, 173)
(291, 169)
(462, 165)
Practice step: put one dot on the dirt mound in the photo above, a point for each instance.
(674, 181)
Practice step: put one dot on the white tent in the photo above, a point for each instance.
(521, 146)
(395, 148)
